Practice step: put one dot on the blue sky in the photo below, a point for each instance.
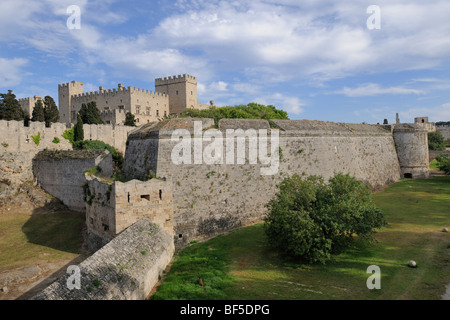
(316, 59)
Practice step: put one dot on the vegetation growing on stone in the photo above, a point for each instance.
(37, 138)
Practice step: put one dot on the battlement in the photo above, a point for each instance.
(117, 91)
(175, 79)
(69, 84)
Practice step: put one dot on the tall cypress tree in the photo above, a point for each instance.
(51, 112)
(10, 108)
(78, 131)
(38, 112)
(130, 120)
(90, 113)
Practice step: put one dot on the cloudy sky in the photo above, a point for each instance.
(316, 59)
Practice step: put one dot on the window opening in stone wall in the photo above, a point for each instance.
(146, 197)
(160, 194)
(105, 227)
(180, 236)
(408, 176)
(128, 197)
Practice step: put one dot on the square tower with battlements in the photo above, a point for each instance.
(66, 92)
(182, 92)
(28, 104)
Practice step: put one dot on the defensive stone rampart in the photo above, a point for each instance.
(212, 198)
(127, 268)
(15, 137)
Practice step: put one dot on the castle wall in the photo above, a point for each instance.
(210, 199)
(114, 207)
(444, 130)
(15, 137)
(61, 173)
(127, 268)
(152, 106)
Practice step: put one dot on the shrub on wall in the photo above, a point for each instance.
(312, 220)
(56, 140)
(100, 145)
(69, 135)
(37, 138)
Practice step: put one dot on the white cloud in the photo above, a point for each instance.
(292, 105)
(435, 114)
(373, 89)
(11, 71)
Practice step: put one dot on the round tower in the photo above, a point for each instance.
(411, 141)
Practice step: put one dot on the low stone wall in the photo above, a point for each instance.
(61, 173)
(434, 154)
(127, 268)
(114, 206)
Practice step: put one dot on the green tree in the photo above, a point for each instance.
(90, 113)
(38, 112)
(78, 131)
(10, 108)
(51, 112)
(250, 111)
(436, 141)
(130, 120)
(312, 220)
(443, 163)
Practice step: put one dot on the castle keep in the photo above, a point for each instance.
(172, 96)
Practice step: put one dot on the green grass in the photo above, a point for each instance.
(433, 165)
(241, 266)
(29, 239)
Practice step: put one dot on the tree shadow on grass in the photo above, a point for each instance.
(56, 227)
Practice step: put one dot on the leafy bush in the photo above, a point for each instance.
(312, 220)
(100, 145)
(443, 163)
(56, 140)
(436, 141)
(69, 135)
(250, 111)
(37, 138)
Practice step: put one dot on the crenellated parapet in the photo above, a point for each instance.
(175, 79)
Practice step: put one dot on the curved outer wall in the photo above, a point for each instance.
(211, 199)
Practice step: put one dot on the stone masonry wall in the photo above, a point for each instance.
(115, 206)
(445, 130)
(15, 137)
(61, 174)
(210, 199)
(127, 268)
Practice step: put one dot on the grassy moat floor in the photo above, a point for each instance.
(240, 266)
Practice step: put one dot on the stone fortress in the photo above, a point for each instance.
(172, 96)
(135, 225)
